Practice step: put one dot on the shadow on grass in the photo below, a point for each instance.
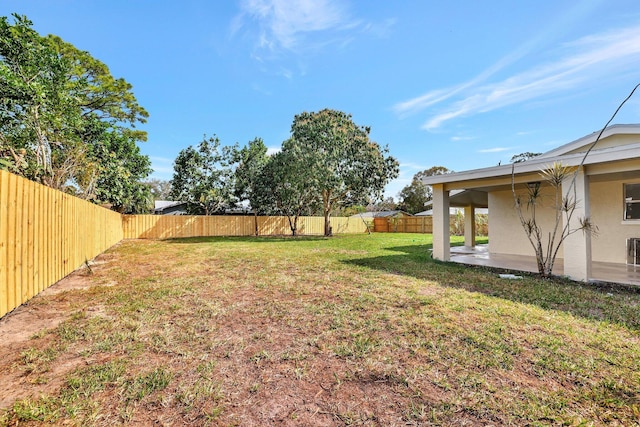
(616, 304)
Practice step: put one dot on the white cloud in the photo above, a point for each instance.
(423, 101)
(495, 150)
(381, 30)
(439, 95)
(273, 150)
(283, 23)
(582, 63)
(410, 165)
(279, 27)
(462, 138)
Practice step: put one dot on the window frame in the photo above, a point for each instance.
(629, 200)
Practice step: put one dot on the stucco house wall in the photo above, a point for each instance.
(609, 245)
(608, 214)
(506, 236)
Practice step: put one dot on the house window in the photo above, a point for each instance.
(631, 201)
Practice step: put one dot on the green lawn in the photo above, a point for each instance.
(352, 330)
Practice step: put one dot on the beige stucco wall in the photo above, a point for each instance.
(607, 212)
(506, 235)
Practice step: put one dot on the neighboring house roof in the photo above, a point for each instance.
(169, 207)
(161, 204)
(571, 154)
(380, 214)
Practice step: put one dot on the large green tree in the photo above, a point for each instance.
(121, 171)
(36, 102)
(284, 187)
(414, 196)
(58, 106)
(251, 161)
(340, 161)
(202, 176)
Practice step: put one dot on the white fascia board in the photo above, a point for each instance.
(612, 154)
(620, 129)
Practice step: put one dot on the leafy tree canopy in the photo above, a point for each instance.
(60, 108)
(285, 189)
(523, 157)
(203, 177)
(387, 204)
(341, 164)
(121, 169)
(414, 196)
(160, 189)
(251, 161)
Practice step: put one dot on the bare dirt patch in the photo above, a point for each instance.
(40, 316)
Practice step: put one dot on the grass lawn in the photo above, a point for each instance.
(352, 330)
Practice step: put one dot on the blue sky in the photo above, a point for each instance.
(458, 83)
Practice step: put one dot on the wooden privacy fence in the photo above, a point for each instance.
(169, 226)
(45, 235)
(424, 224)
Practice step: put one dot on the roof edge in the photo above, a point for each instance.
(537, 163)
(617, 129)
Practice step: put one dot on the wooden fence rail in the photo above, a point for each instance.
(45, 235)
(170, 226)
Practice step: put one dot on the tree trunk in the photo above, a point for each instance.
(327, 224)
(326, 202)
(293, 225)
(255, 222)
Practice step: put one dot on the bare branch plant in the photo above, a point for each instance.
(564, 205)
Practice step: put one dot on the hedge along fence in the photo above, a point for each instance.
(46, 234)
(170, 226)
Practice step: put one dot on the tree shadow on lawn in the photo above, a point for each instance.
(618, 304)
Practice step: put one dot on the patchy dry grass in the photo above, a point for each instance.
(357, 330)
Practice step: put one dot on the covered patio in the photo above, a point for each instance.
(597, 185)
(600, 271)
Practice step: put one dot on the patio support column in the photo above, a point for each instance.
(441, 240)
(469, 226)
(577, 246)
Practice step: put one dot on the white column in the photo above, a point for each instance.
(577, 246)
(441, 241)
(469, 226)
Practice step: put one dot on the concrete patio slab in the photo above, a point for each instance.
(600, 272)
